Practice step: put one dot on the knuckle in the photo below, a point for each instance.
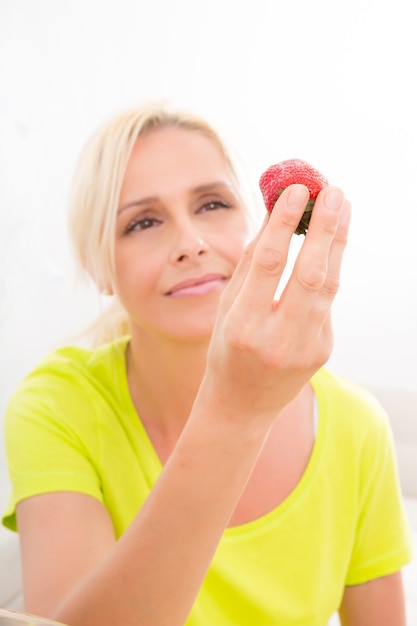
(289, 219)
(328, 226)
(311, 278)
(331, 285)
(241, 343)
(270, 261)
(239, 335)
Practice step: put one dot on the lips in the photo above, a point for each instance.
(197, 286)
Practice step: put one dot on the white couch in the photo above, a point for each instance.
(402, 408)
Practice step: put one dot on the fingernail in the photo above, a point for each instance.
(297, 196)
(333, 198)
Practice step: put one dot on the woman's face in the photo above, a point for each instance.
(181, 229)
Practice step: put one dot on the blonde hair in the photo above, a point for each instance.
(95, 194)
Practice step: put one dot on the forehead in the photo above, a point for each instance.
(173, 156)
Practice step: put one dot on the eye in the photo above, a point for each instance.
(213, 205)
(141, 224)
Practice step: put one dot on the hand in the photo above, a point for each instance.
(263, 351)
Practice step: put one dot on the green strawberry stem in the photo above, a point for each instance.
(305, 220)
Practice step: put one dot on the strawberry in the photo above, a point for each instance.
(277, 177)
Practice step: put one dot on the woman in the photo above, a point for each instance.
(202, 467)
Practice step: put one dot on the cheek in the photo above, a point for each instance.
(132, 275)
(236, 242)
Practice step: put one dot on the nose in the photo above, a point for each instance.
(189, 245)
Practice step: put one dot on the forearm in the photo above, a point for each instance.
(154, 573)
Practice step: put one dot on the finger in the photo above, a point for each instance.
(235, 283)
(312, 265)
(270, 252)
(337, 249)
(320, 315)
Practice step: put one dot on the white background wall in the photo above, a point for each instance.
(327, 81)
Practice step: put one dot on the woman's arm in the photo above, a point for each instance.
(261, 355)
(75, 571)
(379, 602)
(63, 536)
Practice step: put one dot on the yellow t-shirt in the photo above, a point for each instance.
(71, 425)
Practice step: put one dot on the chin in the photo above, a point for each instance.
(195, 329)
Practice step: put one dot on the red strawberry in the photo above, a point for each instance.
(278, 177)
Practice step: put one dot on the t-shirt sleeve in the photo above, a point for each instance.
(50, 437)
(383, 542)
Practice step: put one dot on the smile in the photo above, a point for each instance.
(197, 286)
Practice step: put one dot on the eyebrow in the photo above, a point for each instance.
(149, 199)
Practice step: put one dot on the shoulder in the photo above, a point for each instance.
(73, 366)
(359, 440)
(347, 395)
(351, 408)
(67, 382)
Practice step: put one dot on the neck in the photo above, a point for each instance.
(164, 376)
